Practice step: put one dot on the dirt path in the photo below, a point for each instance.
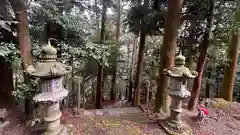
(220, 122)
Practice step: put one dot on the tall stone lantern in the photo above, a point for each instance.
(50, 73)
(177, 91)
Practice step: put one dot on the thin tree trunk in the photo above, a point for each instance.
(207, 89)
(99, 93)
(113, 88)
(128, 56)
(97, 24)
(128, 68)
(93, 90)
(219, 79)
(20, 11)
(230, 68)
(141, 52)
(190, 50)
(198, 80)
(72, 80)
(202, 59)
(132, 71)
(113, 91)
(97, 16)
(139, 67)
(168, 51)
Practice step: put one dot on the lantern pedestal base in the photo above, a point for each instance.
(175, 128)
(65, 129)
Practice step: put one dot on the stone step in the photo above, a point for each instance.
(135, 117)
(135, 114)
(113, 111)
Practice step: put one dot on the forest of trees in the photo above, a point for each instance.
(116, 45)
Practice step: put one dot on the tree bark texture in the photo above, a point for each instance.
(114, 76)
(99, 94)
(141, 52)
(23, 31)
(168, 51)
(132, 71)
(202, 59)
(230, 68)
(190, 42)
(113, 88)
(207, 89)
(139, 67)
(20, 11)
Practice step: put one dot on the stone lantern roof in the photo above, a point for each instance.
(48, 66)
(179, 70)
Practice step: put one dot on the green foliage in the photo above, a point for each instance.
(21, 92)
(152, 19)
(7, 49)
(77, 24)
(10, 54)
(71, 18)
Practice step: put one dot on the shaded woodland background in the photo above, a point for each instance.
(115, 46)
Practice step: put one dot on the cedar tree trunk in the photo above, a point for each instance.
(132, 71)
(139, 67)
(114, 76)
(20, 11)
(99, 93)
(141, 52)
(168, 51)
(230, 68)
(202, 59)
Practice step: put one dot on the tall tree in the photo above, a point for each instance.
(168, 51)
(132, 70)
(114, 76)
(20, 10)
(141, 52)
(230, 68)
(202, 57)
(99, 93)
(190, 50)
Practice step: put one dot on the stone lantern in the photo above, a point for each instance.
(177, 91)
(50, 75)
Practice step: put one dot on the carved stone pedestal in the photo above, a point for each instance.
(64, 129)
(52, 122)
(175, 128)
(173, 124)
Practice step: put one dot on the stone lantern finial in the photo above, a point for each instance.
(180, 60)
(49, 52)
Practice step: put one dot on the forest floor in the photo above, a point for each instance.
(219, 122)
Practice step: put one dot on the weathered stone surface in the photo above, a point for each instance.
(176, 129)
(50, 73)
(178, 92)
